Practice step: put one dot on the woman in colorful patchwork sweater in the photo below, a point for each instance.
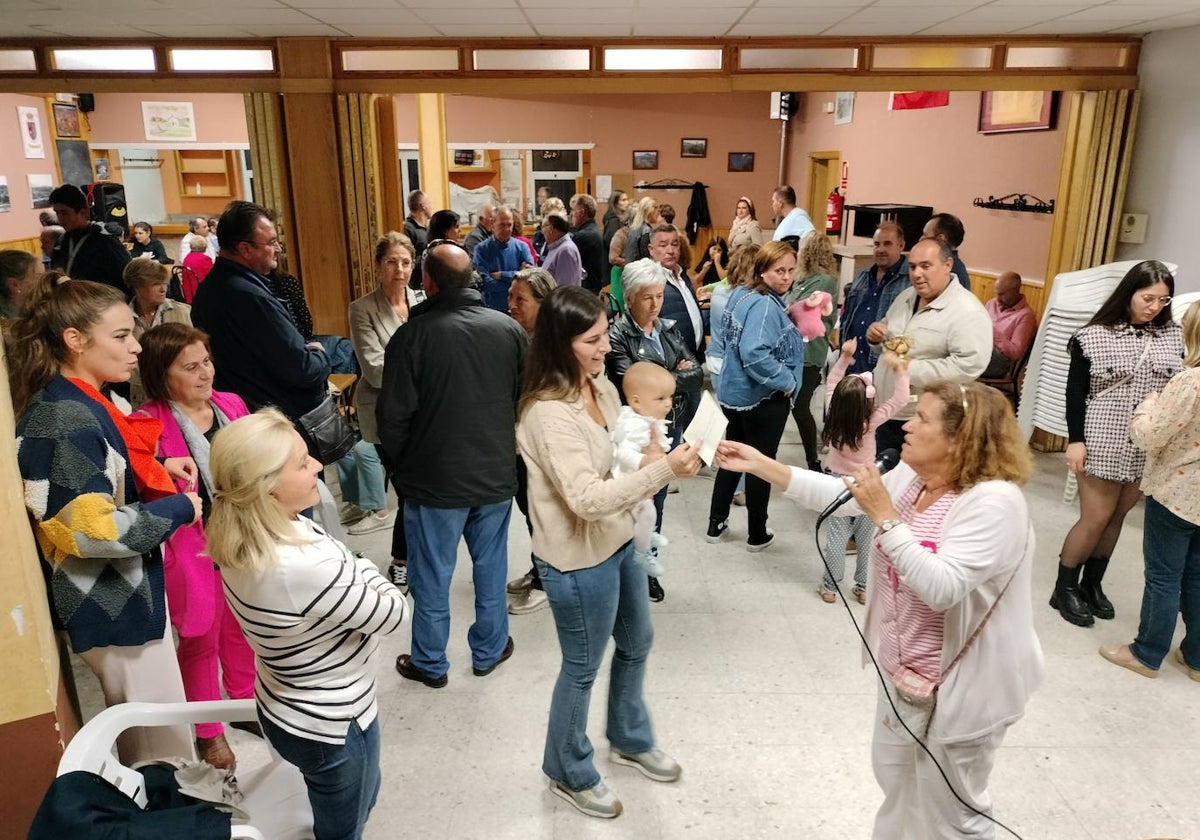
(102, 504)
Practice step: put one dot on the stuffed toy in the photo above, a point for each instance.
(806, 314)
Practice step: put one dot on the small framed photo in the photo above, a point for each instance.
(693, 147)
(645, 160)
(66, 120)
(741, 161)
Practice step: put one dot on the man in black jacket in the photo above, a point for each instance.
(86, 251)
(257, 351)
(447, 421)
(589, 241)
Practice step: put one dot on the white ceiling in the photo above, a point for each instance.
(600, 18)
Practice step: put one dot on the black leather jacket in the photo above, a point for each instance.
(630, 344)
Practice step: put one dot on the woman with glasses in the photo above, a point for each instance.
(1130, 348)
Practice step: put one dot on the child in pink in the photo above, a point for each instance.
(850, 435)
(196, 266)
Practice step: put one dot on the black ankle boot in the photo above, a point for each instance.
(1093, 572)
(1069, 600)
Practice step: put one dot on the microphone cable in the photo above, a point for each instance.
(888, 694)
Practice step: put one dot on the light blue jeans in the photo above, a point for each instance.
(433, 537)
(343, 779)
(360, 474)
(590, 606)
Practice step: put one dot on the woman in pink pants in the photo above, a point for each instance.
(177, 374)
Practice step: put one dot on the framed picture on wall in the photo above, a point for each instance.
(66, 120)
(645, 160)
(1002, 111)
(693, 147)
(741, 161)
(31, 132)
(169, 122)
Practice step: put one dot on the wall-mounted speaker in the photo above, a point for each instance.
(87, 102)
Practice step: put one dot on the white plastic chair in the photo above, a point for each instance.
(275, 796)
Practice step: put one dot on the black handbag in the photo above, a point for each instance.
(327, 433)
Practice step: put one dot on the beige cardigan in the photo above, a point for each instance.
(580, 513)
(372, 323)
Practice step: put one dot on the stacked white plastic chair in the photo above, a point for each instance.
(1074, 298)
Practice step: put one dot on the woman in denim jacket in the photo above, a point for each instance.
(764, 358)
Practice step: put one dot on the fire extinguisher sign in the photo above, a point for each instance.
(845, 175)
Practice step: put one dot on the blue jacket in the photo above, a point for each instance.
(506, 257)
(764, 353)
(866, 303)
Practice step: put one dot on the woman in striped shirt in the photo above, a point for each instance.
(312, 612)
(948, 602)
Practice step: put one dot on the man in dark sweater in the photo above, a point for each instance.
(86, 251)
(447, 421)
(257, 351)
(589, 241)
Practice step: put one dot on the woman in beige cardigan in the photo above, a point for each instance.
(582, 545)
(374, 317)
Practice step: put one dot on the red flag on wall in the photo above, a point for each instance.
(910, 100)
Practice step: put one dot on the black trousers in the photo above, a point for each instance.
(399, 540)
(760, 427)
(802, 413)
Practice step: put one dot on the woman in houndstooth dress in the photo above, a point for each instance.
(1130, 348)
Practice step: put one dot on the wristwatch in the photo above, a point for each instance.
(887, 525)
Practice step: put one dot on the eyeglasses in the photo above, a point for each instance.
(1149, 299)
(270, 243)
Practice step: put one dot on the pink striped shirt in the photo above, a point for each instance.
(911, 632)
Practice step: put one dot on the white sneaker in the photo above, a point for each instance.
(653, 764)
(350, 513)
(372, 522)
(596, 801)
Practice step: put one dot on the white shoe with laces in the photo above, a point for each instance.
(596, 801)
(653, 764)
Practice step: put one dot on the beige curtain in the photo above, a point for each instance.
(268, 160)
(358, 154)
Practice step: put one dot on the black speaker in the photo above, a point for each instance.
(107, 203)
(87, 102)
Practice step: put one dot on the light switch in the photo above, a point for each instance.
(1133, 228)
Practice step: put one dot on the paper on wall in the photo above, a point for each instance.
(603, 188)
(511, 177)
(707, 428)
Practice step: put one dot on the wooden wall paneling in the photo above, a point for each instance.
(1129, 106)
(33, 246)
(392, 206)
(359, 154)
(264, 122)
(431, 143)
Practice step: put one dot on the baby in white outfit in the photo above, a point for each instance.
(640, 430)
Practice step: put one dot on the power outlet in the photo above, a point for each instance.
(1133, 228)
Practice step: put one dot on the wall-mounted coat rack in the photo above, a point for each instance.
(1020, 202)
(669, 184)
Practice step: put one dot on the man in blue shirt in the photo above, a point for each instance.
(793, 220)
(873, 291)
(497, 259)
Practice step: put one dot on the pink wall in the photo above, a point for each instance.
(619, 124)
(220, 117)
(22, 221)
(937, 157)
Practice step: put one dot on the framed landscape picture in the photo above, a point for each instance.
(645, 160)
(693, 147)
(741, 161)
(1002, 111)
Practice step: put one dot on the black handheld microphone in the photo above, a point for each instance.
(886, 459)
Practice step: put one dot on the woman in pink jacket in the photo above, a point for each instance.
(177, 373)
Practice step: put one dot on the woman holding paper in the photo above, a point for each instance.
(639, 335)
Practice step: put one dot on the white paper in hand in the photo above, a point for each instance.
(707, 428)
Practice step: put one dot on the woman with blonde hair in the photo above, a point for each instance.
(1167, 427)
(949, 613)
(745, 229)
(312, 612)
(816, 271)
(645, 218)
(101, 503)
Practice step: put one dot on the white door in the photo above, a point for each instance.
(142, 177)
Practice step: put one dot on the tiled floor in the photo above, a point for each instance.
(755, 687)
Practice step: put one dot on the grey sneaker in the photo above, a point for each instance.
(521, 584)
(596, 801)
(349, 513)
(531, 600)
(654, 764)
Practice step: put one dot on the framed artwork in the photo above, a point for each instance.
(40, 187)
(1002, 111)
(693, 147)
(66, 120)
(31, 132)
(645, 160)
(5, 202)
(843, 113)
(169, 122)
(741, 161)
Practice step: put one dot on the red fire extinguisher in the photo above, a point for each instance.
(833, 213)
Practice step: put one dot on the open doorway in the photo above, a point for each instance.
(824, 176)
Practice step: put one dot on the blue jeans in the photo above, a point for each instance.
(360, 474)
(433, 535)
(342, 779)
(589, 606)
(1171, 546)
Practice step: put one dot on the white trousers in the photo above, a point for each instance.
(148, 673)
(917, 804)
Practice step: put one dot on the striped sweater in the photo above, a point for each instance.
(314, 618)
(100, 543)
